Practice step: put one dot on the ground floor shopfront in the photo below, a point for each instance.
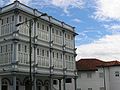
(21, 82)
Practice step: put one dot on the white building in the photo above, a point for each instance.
(94, 74)
(51, 59)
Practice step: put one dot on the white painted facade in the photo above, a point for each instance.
(53, 49)
(107, 78)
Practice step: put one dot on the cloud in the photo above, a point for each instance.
(113, 27)
(106, 48)
(77, 20)
(66, 4)
(107, 10)
(63, 4)
(22, 1)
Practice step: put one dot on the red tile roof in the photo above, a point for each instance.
(92, 64)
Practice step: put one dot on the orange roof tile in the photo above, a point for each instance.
(91, 64)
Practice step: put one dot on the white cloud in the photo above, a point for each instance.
(77, 20)
(106, 48)
(113, 27)
(65, 4)
(107, 9)
(22, 1)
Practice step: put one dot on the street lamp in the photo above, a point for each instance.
(30, 44)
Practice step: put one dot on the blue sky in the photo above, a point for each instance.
(97, 22)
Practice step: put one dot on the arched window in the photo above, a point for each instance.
(17, 85)
(46, 85)
(39, 85)
(4, 84)
(27, 85)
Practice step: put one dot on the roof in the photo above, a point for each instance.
(92, 64)
(35, 12)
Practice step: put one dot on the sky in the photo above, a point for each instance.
(97, 22)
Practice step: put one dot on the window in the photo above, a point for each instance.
(101, 88)
(7, 20)
(69, 58)
(47, 28)
(17, 85)
(26, 20)
(68, 80)
(78, 88)
(19, 47)
(53, 54)
(55, 82)
(39, 85)
(6, 48)
(47, 86)
(72, 59)
(65, 35)
(38, 25)
(117, 74)
(13, 18)
(101, 75)
(68, 36)
(56, 32)
(89, 88)
(71, 37)
(57, 55)
(4, 85)
(52, 30)
(65, 57)
(20, 18)
(61, 56)
(42, 52)
(2, 22)
(47, 53)
(89, 75)
(38, 52)
(11, 47)
(43, 27)
(25, 48)
(1, 49)
(60, 33)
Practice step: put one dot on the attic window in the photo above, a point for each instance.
(68, 80)
(20, 18)
(117, 74)
(89, 75)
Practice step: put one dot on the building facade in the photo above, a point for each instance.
(37, 48)
(94, 74)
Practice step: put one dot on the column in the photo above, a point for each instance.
(35, 66)
(15, 53)
(16, 13)
(14, 82)
(75, 82)
(64, 62)
(34, 87)
(50, 59)
(59, 84)
(51, 82)
(35, 53)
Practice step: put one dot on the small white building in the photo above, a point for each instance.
(35, 50)
(94, 74)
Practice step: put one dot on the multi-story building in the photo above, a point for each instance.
(37, 48)
(94, 74)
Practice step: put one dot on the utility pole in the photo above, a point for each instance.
(30, 47)
(30, 53)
